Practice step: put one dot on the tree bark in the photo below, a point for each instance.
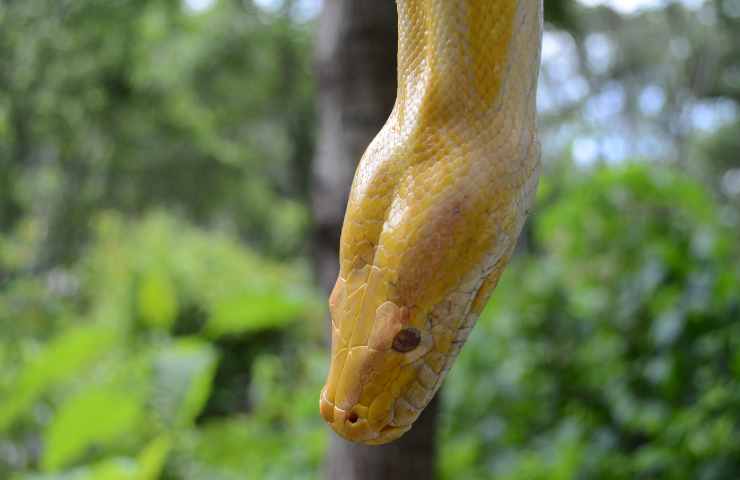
(356, 66)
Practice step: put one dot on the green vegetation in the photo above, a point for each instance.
(131, 357)
(159, 318)
(612, 350)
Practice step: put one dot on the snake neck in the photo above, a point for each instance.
(467, 61)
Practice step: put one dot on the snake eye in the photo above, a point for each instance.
(406, 340)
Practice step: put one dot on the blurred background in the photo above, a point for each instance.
(170, 196)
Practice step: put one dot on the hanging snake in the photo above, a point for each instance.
(437, 203)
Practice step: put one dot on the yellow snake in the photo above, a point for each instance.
(437, 204)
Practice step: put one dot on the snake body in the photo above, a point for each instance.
(437, 203)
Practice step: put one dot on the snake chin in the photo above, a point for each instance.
(353, 424)
(388, 434)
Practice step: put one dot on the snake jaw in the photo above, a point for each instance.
(356, 425)
(371, 373)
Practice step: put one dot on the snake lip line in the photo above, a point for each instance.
(357, 429)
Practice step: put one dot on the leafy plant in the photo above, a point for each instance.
(125, 379)
(611, 352)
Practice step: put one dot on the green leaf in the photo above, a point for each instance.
(458, 455)
(252, 313)
(157, 300)
(116, 468)
(153, 457)
(147, 466)
(183, 379)
(95, 417)
(63, 357)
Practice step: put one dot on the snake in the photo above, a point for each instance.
(436, 206)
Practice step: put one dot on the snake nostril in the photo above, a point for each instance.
(352, 417)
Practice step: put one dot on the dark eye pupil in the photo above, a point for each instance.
(406, 340)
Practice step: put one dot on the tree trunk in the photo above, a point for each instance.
(356, 65)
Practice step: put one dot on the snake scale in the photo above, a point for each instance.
(437, 203)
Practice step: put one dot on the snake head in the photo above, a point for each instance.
(372, 394)
(436, 206)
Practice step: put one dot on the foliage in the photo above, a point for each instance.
(611, 352)
(156, 310)
(134, 104)
(112, 363)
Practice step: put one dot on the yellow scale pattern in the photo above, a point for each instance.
(437, 204)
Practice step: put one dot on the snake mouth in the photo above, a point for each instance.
(388, 434)
(353, 424)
